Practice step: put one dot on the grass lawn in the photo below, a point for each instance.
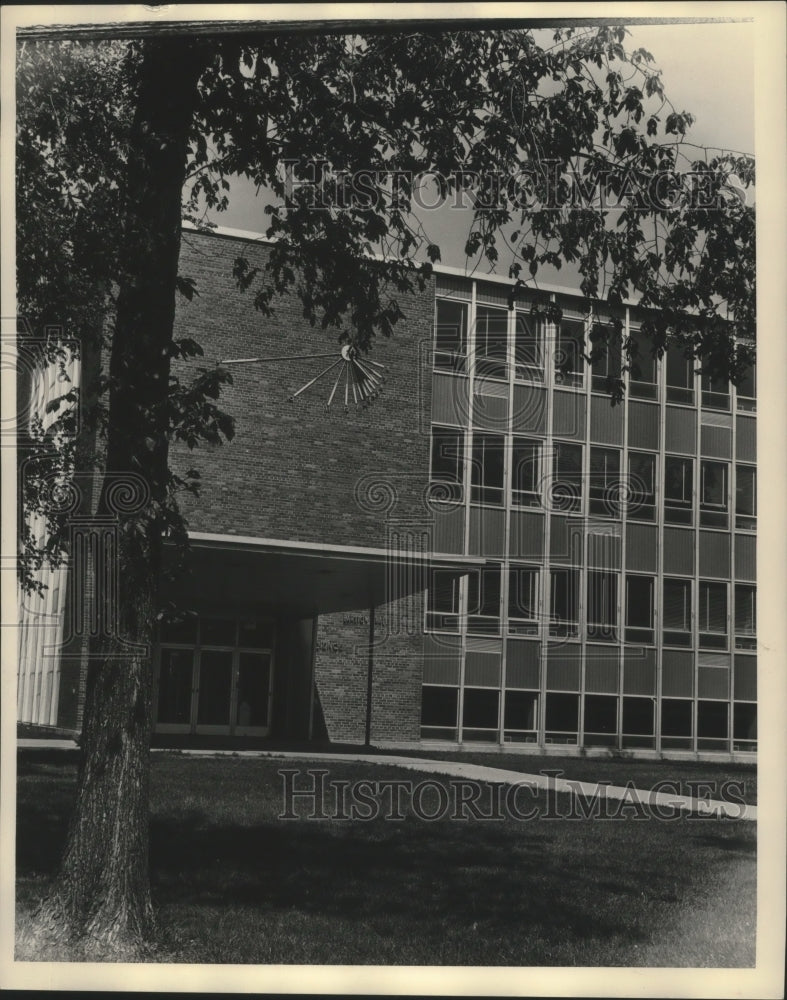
(235, 884)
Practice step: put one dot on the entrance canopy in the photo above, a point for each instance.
(304, 579)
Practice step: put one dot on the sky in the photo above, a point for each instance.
(707, 69)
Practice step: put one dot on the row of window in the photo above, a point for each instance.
(535, 479)
(572, 341)
(563, 613)
(606, 720)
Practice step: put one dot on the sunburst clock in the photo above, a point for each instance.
(364, 378)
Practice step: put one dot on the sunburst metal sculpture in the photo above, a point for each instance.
(364, 378)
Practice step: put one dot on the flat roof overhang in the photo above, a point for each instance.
(304, 579)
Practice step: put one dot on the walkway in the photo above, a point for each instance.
(475, 772)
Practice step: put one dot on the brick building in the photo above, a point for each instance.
(491, 554)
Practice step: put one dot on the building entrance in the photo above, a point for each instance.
(215, 677)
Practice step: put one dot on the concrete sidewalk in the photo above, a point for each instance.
(476, 772)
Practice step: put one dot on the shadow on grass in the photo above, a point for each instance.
(224, 869)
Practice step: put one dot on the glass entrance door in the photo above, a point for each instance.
(215, 677)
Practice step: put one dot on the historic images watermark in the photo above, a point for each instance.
(313, 795)
(546, 184)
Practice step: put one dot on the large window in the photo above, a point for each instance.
(486, 473)
(528, 348)
(745, 616)
(523, 600)
(678, 490)
(567, 475)
(602, 606)
(564, 602)
(525, 473)
(491, 341)
(643, 369)
(639, 609)
(715, 392)
(451, 335)
(676, 612)
(713, 495)
(712, 613)
(606, 368)
(680, 376)
(605, 482)
(483, 600)
(745, 496)
(442, 602)
(448, 447)
(642, 486)
(569, 352)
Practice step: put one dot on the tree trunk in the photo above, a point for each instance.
(102, 892)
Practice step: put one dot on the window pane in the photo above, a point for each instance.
(715, 392)
(491, 341)
(676, 612)
(442, 602)
(714, 485)
(639, 601)
(256, 635)
(447, 452)
(564, 595)
(439, 706)
(747, 390)
(712, 719)
(745, 490)
(602, 605)
(253, 688)
(174, 686)
(744, 721)
(487, 469)
(678, 490)
(562, 712)
(216, 632)
(450, 334)
(521, 710)
(607, 367)
(569, 360)
(215, 681)
(641, 359)
(604, 481)
(567, 470)
(680, 369)
(523, 593)
(638, 716)
(483, 600)
(713, 607)
(525, 490)
(480, 708)
(745, 609)
(601, 714)
(642, 486)
(183, 632)
(528, 352)
(676, 717)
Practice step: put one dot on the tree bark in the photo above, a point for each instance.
(102, 893)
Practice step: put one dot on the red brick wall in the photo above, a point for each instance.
(293, 467)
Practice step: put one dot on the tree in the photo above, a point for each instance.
(535, 129)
